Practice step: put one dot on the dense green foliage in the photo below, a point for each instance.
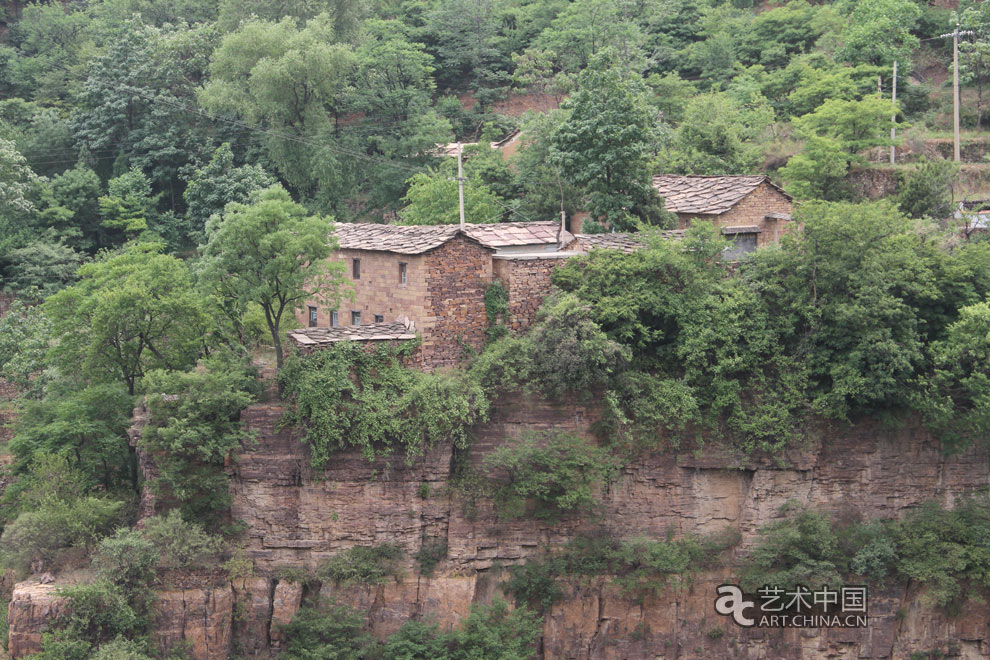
(347, 396)
(638, 566)
(944, 549)
(363, 564)
(193, 425)
(331, 631)
(559, 473)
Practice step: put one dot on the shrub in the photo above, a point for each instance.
(328, 630)
(127, 559)
(122, 649)
(193, 424)
(560, 474)
(345, 396)
(181, 544)
(431, 552)
(97, 613)
(56, 526)
(363, 564)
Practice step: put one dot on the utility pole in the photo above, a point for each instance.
(460, 181)
(955, 87)
(955, 95)
(893, 117)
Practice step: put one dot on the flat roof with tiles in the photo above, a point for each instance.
(315, 337)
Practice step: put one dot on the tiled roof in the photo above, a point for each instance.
(417, 239)
(404, 239)
(314, 337)
(509, 234)
(706, 195)
(624, 242)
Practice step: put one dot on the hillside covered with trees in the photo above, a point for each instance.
(168, 175)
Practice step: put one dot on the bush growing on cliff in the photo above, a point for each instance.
(363, 564)
(326, 631)
(346, 396)
(638, 566)
(559, 472)
(181, 544)
(945, 549)
(193, 425)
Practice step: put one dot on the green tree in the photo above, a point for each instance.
(218, 183)
(927, 191)
(432, 199)
(818, 171)
(296, 81)
(130, 312)
(270, 252)
(880, 32)
(719, 135)
(602, 146)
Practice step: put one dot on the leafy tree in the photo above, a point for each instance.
(270, 252)
(544, 189)
(718, 136)
(560, 474)
(78, 191)
(880, 32)
(128, 204)
(130, 312)
(217, 184)
(601, 147)
(974, 53)
(181, 544)
(89, 425)
(126, 559)
(496, 633)
(927, 191)
(16, 208)
(24, 341)
(433, 199)
(41, 268)
(193, 425)
(296, 81)
(121, 649)
(819, 171)
(134, 104)
(51, 43)
(329, 631)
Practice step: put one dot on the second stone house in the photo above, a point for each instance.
(751, 210)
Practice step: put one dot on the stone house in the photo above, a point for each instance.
(431, 280)
(752, 210)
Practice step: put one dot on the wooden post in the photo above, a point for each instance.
(955, 95)
(893, 117)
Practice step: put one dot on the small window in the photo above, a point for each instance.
(402, 273)
(379, 318)
(356, 270)
(312, 317)
(355, 318)
(333, 319)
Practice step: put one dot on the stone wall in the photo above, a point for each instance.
(457, 274)
(378, 290)
(527, 280)
(751, 210)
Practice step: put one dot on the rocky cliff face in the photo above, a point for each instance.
(298, 518)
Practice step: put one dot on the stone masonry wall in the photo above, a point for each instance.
(457, 274)
(751, 210)
(379, 290)
(527, 280)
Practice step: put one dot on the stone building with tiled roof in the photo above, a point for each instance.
(750, 209)
(434, 278)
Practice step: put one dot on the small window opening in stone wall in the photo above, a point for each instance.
(402, 273)
(355, 318)
(312, 317)
(356, 269)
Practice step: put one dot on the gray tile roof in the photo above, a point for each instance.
(512, 234)
(706, 195)
(618, 241)
(315, 337)
(417, 239)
